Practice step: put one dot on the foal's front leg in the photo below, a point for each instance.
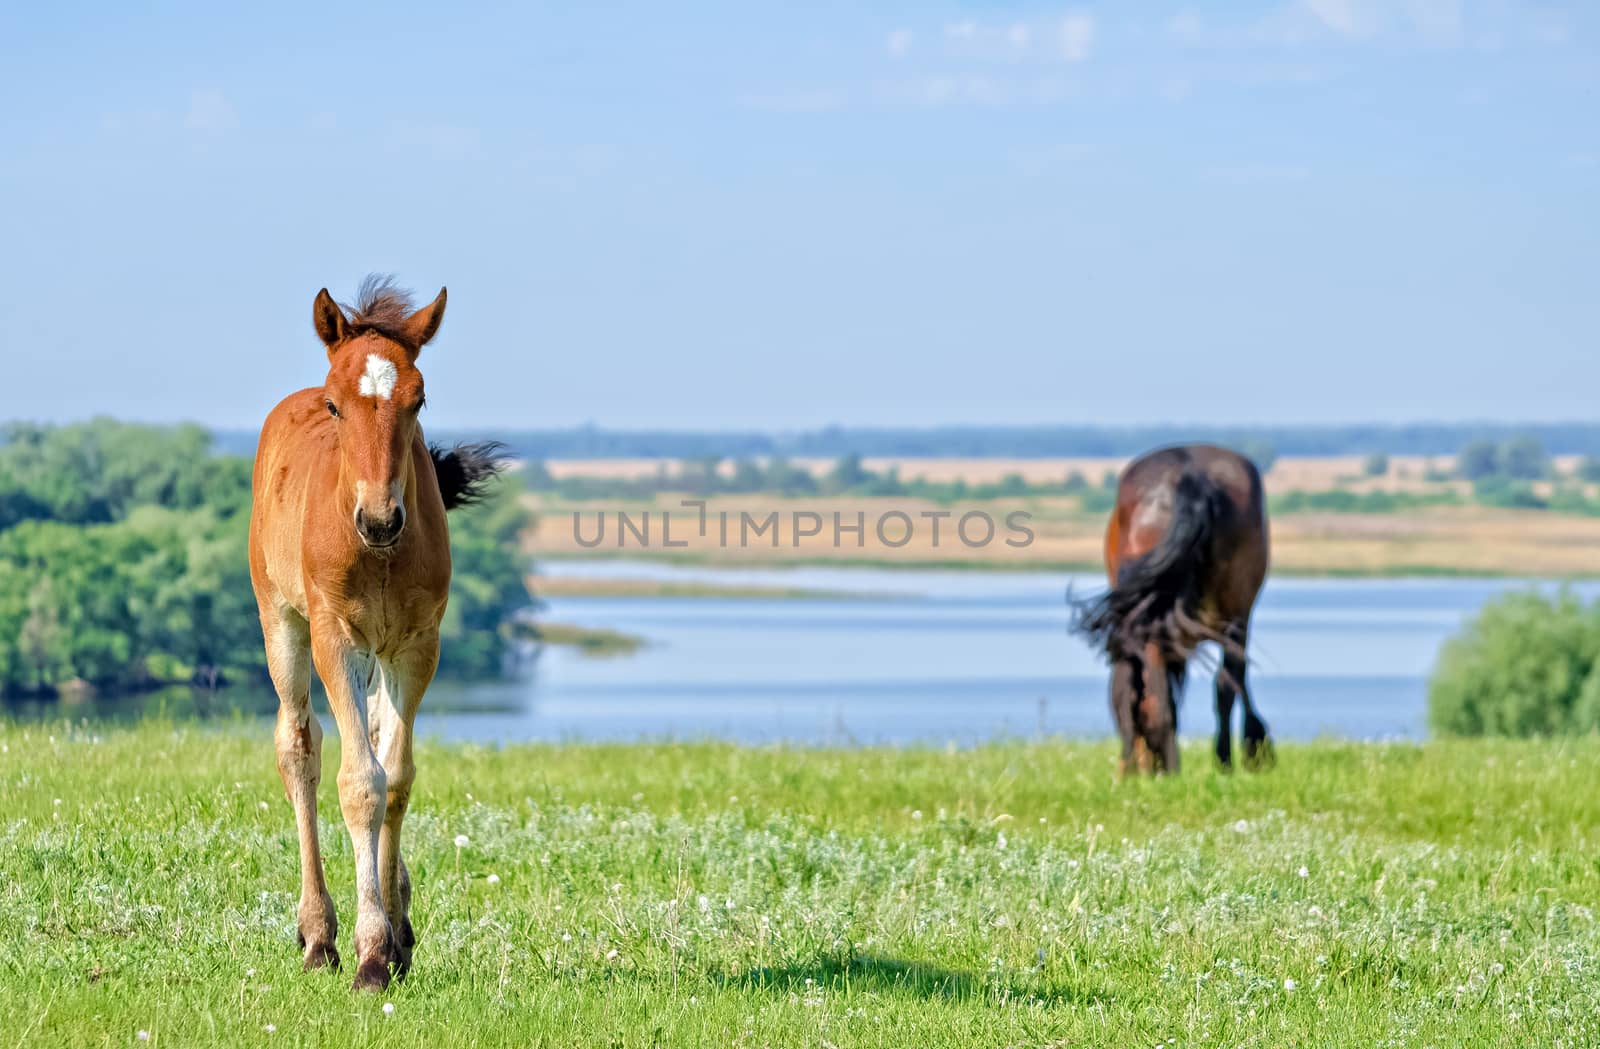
(299, 744)
(406, 678)
(345, 672)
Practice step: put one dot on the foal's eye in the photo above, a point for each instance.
(333, 411)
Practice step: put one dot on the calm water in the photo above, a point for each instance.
(943, 656)
(916, 656)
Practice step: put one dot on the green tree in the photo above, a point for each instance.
(1524, 666)
(847, 474)
(1524, 459)
(123, 563)
(488, 585)
(1478, 460)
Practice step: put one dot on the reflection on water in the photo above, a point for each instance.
(916, 656)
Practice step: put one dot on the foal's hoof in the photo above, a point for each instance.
(405, 943)
(321, 956)
(373, 975)
(1259, 755)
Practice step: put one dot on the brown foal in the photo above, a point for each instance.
(350, 560)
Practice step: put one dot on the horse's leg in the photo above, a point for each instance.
(299, 744)
(1125, 690)
(363, 785)
(1158, 712)
(1258, 753)
(406, 679)
(1230, 677)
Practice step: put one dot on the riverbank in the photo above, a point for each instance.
(707, 894)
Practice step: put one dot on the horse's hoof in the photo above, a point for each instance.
(405, 944)
(373, 975)
(321, 956)
(1259, 755)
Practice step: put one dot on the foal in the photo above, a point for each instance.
(350, 561)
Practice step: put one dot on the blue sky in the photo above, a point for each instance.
(776, 216)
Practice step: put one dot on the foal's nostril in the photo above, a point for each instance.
(380, 532)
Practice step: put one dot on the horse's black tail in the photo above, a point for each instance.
(1155, 595)
(465, 471)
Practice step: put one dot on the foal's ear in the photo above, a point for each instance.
(424, 324)
(328, 319)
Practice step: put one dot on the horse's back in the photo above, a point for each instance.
(1158, 471)
(1146, 497)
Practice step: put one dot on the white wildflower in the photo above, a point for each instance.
(143, 1036)
(1303, 872)
(1243, 826)
(388, 1008)
(271, 1028)
(493, 879)
(1288, 983)
(462, 841)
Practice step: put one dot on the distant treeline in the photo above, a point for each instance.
(847, 476)
(1515, 474)
(123, 565)
(1019, 442)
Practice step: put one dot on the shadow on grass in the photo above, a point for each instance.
(899, 977)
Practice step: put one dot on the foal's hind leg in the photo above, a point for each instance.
(299, 743)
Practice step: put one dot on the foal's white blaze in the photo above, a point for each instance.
(379, 378)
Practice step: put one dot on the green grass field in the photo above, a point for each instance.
(659, 895)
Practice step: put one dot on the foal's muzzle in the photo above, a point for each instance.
(379, 532)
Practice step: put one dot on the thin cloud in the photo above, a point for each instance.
(1340, 16)
(1047, 161)
(813, 100)
(210, 112)
(443, 140)
(1434, 23)
(898, 43)
(1256, 174)
(1076, 36)
(973, 90)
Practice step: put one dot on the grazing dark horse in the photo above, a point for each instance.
(1186, 554)
(350, 559)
